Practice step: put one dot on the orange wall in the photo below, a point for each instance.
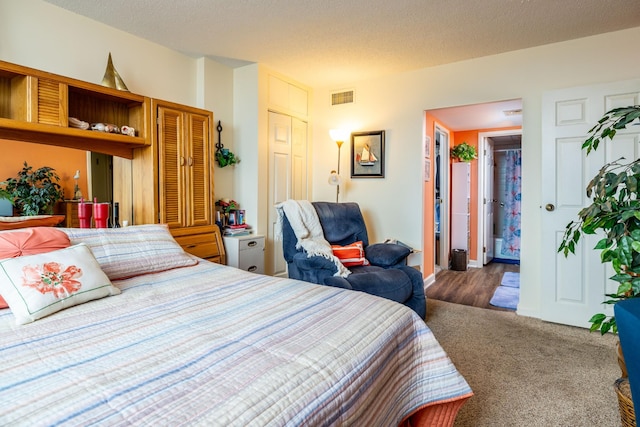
(65, 161)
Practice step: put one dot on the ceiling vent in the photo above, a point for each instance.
(343, 97)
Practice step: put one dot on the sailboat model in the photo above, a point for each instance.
(366, 157)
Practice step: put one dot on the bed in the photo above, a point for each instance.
(184, 341)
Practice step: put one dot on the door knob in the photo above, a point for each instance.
(550, 207)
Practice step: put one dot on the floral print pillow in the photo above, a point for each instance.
(36, 286)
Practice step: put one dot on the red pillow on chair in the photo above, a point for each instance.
(350, 255)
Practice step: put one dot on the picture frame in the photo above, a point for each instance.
(427, 146)
(367, 154)
(427, 170)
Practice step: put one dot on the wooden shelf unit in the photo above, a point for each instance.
(36, 106)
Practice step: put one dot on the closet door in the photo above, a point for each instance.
(198, 171)
(298, 159)
(185, 169)
(287, 179)
(172, 191)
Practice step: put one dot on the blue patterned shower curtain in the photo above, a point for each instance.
(513, 196)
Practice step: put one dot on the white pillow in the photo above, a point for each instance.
(35, 286)
(132, 251)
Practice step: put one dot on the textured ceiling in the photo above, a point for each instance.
(329, 43)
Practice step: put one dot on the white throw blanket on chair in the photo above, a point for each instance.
(305, 224)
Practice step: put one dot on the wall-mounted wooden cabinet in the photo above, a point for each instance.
(163, 174)
(35, 106)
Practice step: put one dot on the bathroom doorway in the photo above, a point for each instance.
(500, 167)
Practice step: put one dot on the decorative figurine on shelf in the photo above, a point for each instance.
(111, 77)
(224, 157)
(77, 194)
(128, 130)
(223, 209)
(105, 127)
(78, 124)
(227, 205)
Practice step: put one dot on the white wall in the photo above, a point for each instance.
(393, 206)
(215, 93)
(39, 35)
(43, 36)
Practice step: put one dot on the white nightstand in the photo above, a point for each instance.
(245, 252)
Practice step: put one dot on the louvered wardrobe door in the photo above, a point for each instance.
(199, 164)
(173, 163)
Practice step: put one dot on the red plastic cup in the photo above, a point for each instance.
(101, 214)
(84, 214)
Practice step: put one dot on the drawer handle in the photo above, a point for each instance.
(191, 246)
(252, 268)
(252, 243)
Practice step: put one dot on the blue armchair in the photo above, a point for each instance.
(387, 276)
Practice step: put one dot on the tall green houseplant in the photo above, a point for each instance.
(615, 212)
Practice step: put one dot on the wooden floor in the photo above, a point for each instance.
(473, 287)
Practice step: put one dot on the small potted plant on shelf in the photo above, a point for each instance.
(33, 192)
(615, 211)
(224, 157)
(464, 152)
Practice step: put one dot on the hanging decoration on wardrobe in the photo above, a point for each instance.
(224, 157)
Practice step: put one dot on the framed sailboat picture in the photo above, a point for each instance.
(367, 154)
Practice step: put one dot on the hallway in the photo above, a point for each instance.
(473, 287)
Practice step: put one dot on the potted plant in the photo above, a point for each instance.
(464, 152)
(224, 157)
(33, 192)
(614, 211)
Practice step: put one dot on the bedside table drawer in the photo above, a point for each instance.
(245, 252)
(256, 244)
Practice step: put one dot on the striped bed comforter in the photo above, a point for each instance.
(212, 345)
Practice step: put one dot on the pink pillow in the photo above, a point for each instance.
(17, 222)
(30, 241)
(350, 255)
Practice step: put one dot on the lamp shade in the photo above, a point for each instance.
(339, 134)
(334, 178)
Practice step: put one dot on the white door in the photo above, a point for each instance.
(488, 200)
(442, 138)
(460, 181)
(573, 288)
(287, 179)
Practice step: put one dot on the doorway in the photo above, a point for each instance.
(101, 177)
(441, 193)
(499, 189)
(465, 124)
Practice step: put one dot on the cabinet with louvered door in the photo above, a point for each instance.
(36, 106)
(185, 184)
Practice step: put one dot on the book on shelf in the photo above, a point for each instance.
(236, 231)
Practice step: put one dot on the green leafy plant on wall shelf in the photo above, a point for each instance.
(33, 192)
(464, 152)
(615, 212)
(224, 157)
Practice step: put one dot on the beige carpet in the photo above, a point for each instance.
(526, 372)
